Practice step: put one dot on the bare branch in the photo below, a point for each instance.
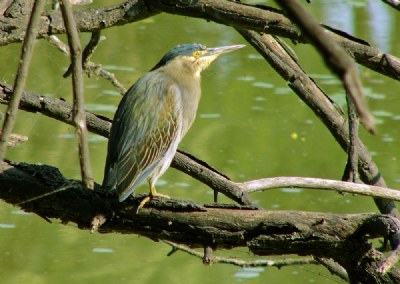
(244, 263)
(59, 44)
(334, 268)
(322, 106)
(268, 20)
(89, 66)
(99, 71)
(335, 57)
(186, 163)
(317, 183)
(241, 16)
(22, 74)
(351, 170)
(342, 237)
(77, 83)
(87, 52)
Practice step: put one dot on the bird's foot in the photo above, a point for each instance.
(148, 198)
(161, 195)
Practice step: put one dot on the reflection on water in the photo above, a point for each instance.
(102, 250)
(209, 115)
(250, 125)
(7, 226)
(377, 16)
(381, 24)
(262, 85)
(249, 272)
(118, 68)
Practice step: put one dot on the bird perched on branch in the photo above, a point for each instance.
(153, 117)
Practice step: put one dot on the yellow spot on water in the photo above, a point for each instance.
(294, 135)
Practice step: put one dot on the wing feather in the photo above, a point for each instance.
(144, 128)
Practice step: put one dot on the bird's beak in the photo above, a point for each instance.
(215, 51)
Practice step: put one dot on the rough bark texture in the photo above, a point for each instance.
(62, 111)
(342, 237)
(259, 18)
(322, 106)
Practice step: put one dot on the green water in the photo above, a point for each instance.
(246, 122)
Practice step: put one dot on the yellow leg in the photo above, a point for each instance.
(153, 193)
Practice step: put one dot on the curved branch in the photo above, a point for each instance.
(186, 163)
(336, 59)
(241, 16)
(268, 20)
(197, 169)
(317, 183)
(322, 106)
(12, 26)
(342, 237)
(244, 263)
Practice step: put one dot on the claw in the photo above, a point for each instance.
(148, 198)
(143, 202)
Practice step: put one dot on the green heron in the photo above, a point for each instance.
(153, 117)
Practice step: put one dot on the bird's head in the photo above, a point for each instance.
(195, 57)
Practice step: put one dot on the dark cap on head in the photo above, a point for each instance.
(180, 50)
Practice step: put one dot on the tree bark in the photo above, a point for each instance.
(342, 237)
(259, 18)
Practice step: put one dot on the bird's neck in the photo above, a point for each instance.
(188, 82)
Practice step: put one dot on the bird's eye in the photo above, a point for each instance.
(196, 54)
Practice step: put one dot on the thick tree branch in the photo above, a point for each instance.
(62, 111)
(197, 169)
(240, 16)
(335, 57)
(12, 25)
(340, 237)
(268, 20)
(322, 106)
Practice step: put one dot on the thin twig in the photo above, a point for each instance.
(89, 66)
(60, 110)
(323, 107)
(91, 46)
(335, 57)
(243, 263)
(351, 171)
(318, 183)
(98, 70)
(87, 52)
(77, 82)
(22, 74)
(57, 42)
(334, 267)
(251, 17)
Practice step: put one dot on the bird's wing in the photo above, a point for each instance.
(144, 127)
